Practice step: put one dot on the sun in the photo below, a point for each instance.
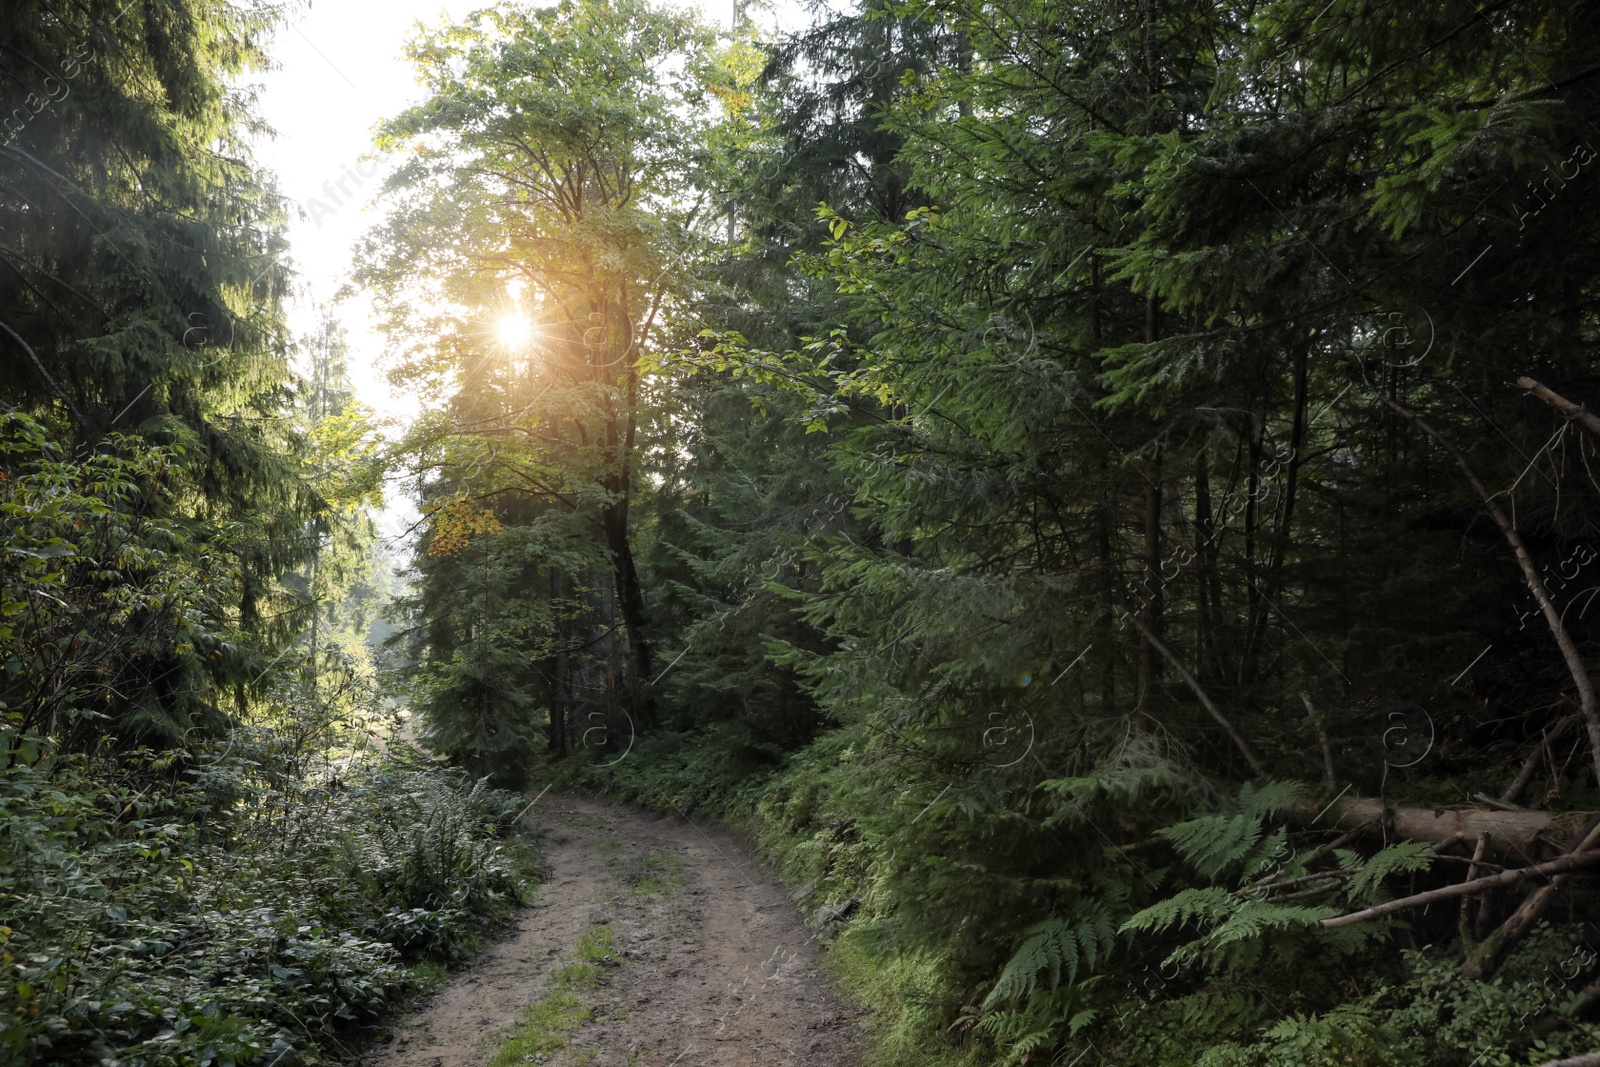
(514, 331)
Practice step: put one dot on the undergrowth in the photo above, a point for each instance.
(995, 926)
(170, 908)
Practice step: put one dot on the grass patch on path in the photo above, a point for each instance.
(658, 874)
(547, 1023)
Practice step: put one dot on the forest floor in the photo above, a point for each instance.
(655, 942)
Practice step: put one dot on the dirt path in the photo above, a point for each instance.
(708, 961)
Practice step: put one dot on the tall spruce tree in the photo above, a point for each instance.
(144, 255)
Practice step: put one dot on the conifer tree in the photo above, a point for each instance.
(144, 255)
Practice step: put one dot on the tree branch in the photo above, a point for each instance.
(1486, 958)
(1464, 923)
(1576, 412)
(1530, 764)
(65, 399)
(1563, 864)
(1183, 672)
(1329, 779)
(1569, 651)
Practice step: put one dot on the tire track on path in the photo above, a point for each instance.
(714, 966)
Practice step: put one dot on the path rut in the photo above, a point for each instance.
(714, 966)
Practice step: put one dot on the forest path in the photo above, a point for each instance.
(706, 962)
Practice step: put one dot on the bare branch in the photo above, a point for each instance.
(1577, 412)
(1587, 702)
(1183, 672)
(1582, 857)
(1329, 779)
(55, 387)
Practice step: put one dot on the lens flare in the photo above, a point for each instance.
(514, 331)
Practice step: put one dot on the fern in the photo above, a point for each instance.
(1212, 843)
(1236, 943)
(1234, 926)
(1270, 798)
(1211, 903)
(1047, 1019)
(1259, 860)
(1402, 858)
(1055, 946)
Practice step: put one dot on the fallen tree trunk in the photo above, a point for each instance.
(1509, 832)
(1588, 1059)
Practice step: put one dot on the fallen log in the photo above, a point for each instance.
(1509, 831)
(1588, 1059)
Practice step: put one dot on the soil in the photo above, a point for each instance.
(714, 966)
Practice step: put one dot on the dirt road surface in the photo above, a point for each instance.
(710, 963)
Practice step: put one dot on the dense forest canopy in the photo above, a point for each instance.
(1102, 489)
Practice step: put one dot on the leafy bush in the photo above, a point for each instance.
(174, 908)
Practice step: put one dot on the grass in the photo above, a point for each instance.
(547, 1024)
(658, 874)
(895, 991)
(428, 976)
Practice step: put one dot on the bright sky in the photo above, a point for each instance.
(340, 70)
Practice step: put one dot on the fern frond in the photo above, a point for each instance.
(1402, 858)
(1212, 903)
(1269, 799)
(1055, 946)
(1212, 843)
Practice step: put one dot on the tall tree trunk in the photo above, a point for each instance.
(1150, 612)
(611, 349)
(557, 731)
(1272, 583)
(619, 543)
(1209, 596)
(1252, 592)
(1108, 644)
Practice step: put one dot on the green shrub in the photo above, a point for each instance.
(165, 909)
